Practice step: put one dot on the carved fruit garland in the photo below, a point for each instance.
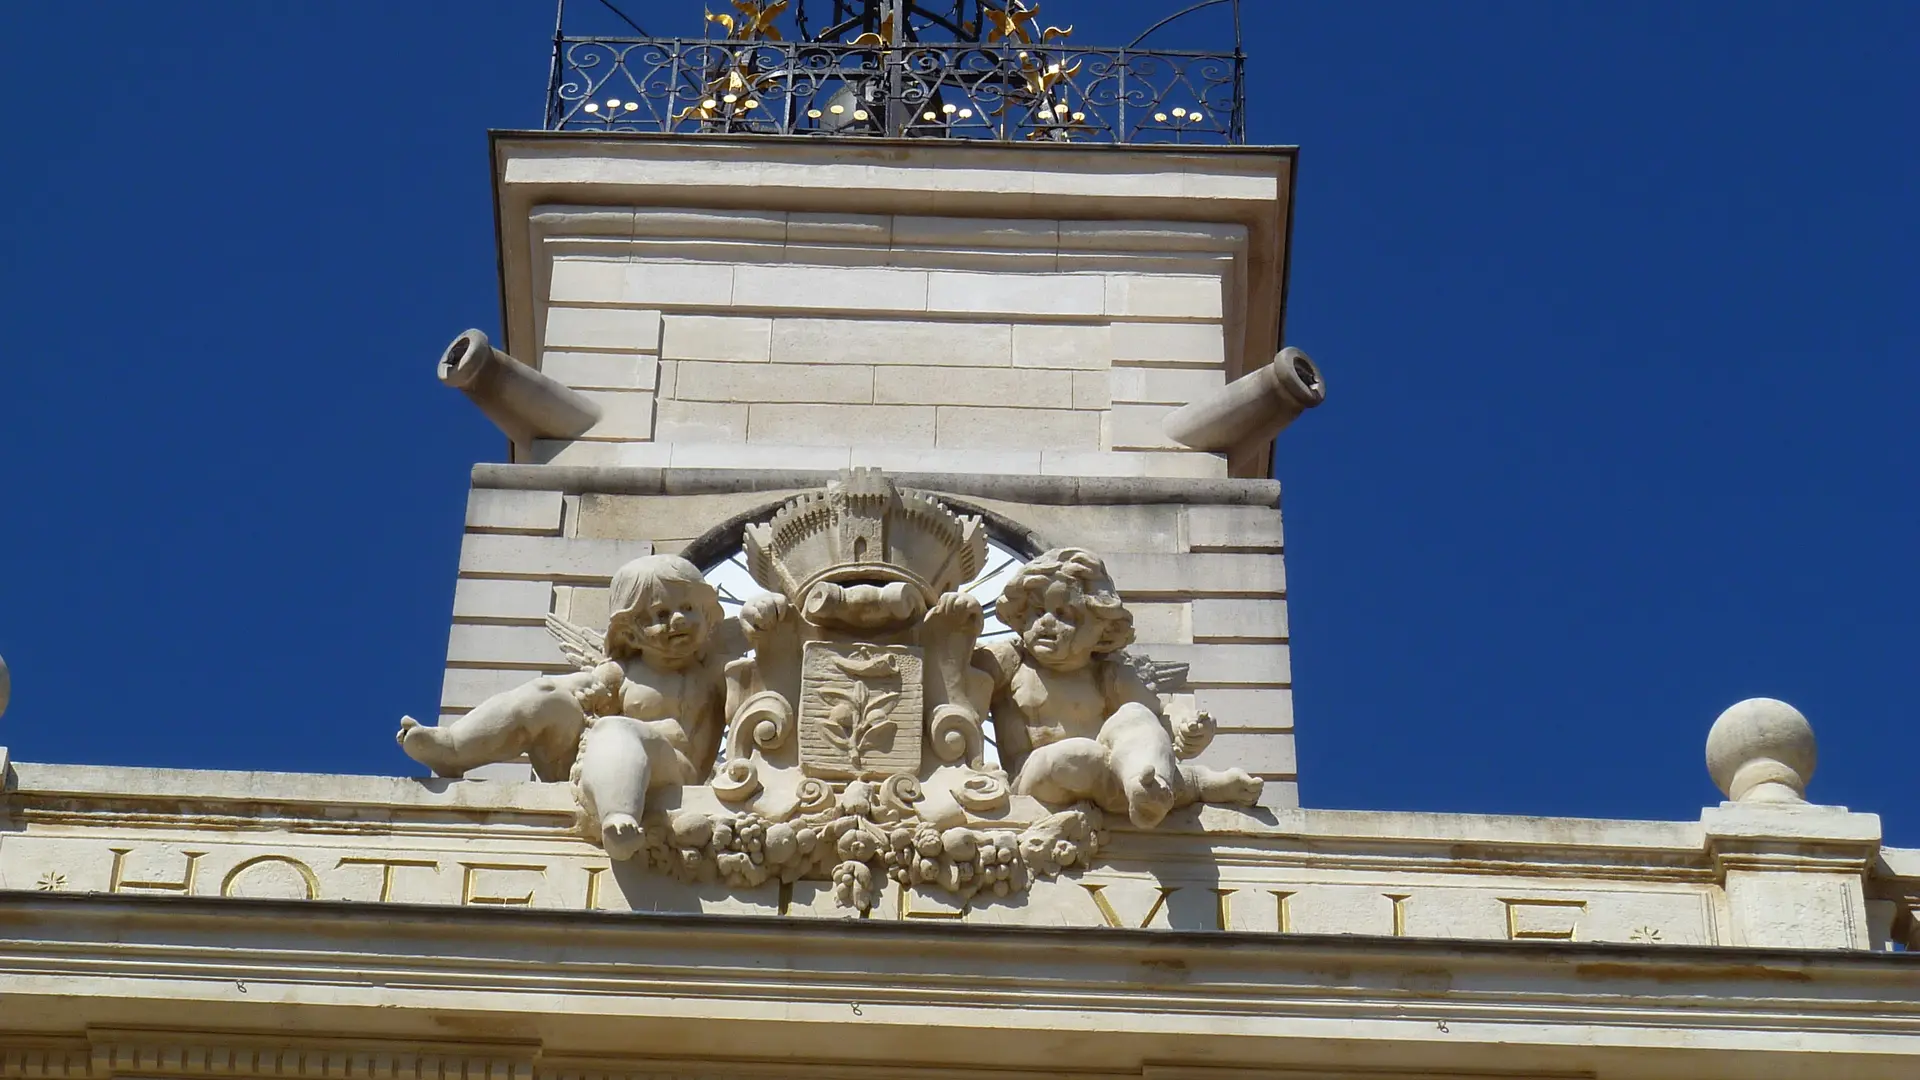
(864, 835)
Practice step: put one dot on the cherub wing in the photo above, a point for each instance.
(581, 647)
(1161, 676)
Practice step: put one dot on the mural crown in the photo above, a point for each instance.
(863, 530)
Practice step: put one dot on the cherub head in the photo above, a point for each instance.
(1063, 606)
(663, 611)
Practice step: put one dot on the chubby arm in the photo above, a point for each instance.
(1121, 685)
(999, 661)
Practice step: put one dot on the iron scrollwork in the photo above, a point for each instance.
(1008, 90)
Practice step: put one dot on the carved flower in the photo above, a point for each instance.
(51, 881)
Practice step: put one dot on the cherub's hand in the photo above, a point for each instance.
(764, 615)
(957, 609)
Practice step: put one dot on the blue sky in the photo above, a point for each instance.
(1616, 303)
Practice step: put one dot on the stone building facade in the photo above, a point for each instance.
(872, 661)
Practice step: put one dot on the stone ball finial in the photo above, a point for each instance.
(1762, 750)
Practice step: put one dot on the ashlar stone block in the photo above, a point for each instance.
(1030, 428)
(1263, 754)
(1091, 390)
(1012, 387)
(737, 338)
(1248, 709)
(833, 288)
(1168, 296)
(535, 513)
(527, 647)
(700, 421)
(609, 371)
(1169, 343)
(1231, 664)
(1163, 386)
(1048, 345)
(586, 281)
(623, 414)
(1161, 624)
(701, 380)
(842, 425)
(1140, 427)
(679, 283)
(502, 601)
(891, 341)
(1239, 619)
(1154, 575)
(548, 558)
(1016, 294)
(463, 688)
(602, 328)
(1234, 528)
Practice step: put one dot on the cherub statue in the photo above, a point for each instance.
(1073, 720)
(648, 711)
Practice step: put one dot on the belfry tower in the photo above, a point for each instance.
(1041, 280)
(871, 662)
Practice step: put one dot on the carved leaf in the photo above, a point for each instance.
(873, 733)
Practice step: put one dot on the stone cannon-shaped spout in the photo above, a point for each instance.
(1255, 406)
(519, 400)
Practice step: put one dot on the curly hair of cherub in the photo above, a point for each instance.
(1024, 598)
(639, 583)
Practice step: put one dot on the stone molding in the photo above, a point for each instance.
(1124, 996)
(1039, 490)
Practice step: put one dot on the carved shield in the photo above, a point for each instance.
(860, 710)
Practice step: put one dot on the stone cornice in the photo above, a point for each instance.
(916, 993)
(1045, 490)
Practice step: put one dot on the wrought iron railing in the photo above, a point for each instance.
(1010, 91)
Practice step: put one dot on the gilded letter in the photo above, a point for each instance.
(117, 883)
(387, 867)
(1221, 912)
(1518, 910)
(1399, 913)
(310, 882)
(470, 895)
(1283, 917)
(1113, 917)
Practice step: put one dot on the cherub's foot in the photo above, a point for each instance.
(1235, 787)
(425, 745)
(1149, 797)
(620, 834)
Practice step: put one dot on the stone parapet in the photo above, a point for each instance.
(65, 829)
